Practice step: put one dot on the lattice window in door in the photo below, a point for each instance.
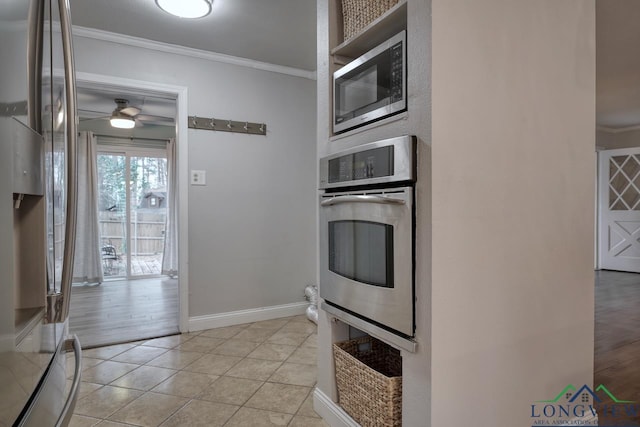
(624, 183)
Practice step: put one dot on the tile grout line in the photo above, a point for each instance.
(211, 351)
(252, 394)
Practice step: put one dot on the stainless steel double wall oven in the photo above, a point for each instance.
(367, 233)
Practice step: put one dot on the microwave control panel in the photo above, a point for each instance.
(397, 73)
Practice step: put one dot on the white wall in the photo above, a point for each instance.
(513, 172)
(252, 227)
(612, 141)
(13, 63)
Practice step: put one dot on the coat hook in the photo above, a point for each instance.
(246, 126)
(262, 128)
(195, 121)
(213, 123)
(229, 124)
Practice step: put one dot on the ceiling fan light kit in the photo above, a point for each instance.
(121, 121)
(122, 116)
(190, 9)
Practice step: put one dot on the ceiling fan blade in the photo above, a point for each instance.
(156, 119)
(86, 119)
(92, 114)
(139, 123)
(130, 111)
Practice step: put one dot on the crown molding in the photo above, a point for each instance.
(617, 130)
(91, 33)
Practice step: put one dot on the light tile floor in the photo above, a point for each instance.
(259, 374)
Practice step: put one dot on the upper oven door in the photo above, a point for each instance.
(367, 255)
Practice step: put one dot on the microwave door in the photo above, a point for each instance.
(372, 86)
(357, 93)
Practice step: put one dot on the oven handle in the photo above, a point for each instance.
(362, 199)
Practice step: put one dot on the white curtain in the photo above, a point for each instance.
(170, 254)
(88, 258)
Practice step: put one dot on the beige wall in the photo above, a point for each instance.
(513, 171)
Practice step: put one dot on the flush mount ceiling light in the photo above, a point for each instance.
(186, 8)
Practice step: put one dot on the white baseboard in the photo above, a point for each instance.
(330, 412)
(210, 321)
(335, 416)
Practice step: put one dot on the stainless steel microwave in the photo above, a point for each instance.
(372, 86)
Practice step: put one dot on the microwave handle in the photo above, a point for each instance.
(361, 199)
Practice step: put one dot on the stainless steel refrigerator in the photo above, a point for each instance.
(39, 362)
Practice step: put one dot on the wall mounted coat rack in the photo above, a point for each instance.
(14, 109)
(205, 123)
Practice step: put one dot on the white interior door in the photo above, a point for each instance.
(619, 208)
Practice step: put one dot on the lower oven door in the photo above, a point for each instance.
(366, 255)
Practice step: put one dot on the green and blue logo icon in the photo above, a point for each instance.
(584, 406)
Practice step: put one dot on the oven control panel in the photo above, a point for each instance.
(373, 163)
(390, 160)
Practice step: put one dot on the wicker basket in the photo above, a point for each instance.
(357, 14)
(369, 381)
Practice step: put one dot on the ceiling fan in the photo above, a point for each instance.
(125, 116)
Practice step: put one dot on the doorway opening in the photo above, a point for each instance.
(617, 287)
(135, 293)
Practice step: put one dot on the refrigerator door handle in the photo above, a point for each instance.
(71, 161)
(70, 404)
(34, 58)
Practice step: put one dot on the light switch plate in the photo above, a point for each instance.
(198, 177)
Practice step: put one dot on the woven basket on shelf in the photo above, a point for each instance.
(369, 381)
(357, 14)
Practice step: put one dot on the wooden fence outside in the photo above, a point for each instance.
(147, 231)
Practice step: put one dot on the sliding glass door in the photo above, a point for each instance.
(112, 213)
(147, 214)
(132, 212)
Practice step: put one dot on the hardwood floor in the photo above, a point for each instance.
(124, 311)
(140, 265)
(617, 339)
